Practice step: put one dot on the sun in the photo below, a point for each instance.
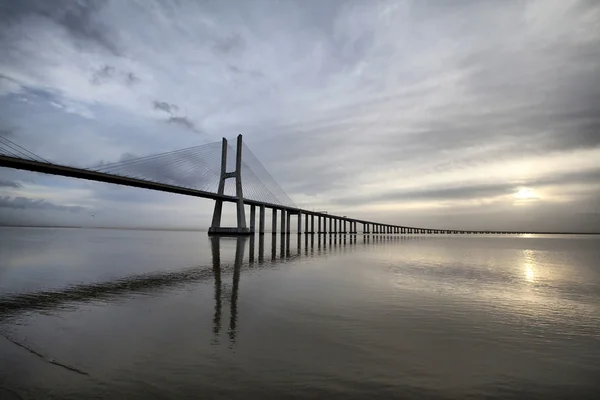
(525, 194)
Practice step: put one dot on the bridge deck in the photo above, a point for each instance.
(80, 173)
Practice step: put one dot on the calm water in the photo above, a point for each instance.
(159, 315)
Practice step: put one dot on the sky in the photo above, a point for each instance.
(464, 114)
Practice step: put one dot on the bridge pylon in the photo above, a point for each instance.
(241, 229)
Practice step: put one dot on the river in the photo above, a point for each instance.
(101, 313)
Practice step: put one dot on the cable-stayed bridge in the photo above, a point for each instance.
(206, 171)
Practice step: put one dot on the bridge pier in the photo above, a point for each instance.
(288, 225)
(274, 222)
(241, 229)
(306, 224)
(261, 220)
(312, 224)
(252, 218)
(300, 224)
(283, 220)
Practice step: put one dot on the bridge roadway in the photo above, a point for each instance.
(337, 224)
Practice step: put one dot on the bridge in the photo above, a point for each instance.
(206, 171)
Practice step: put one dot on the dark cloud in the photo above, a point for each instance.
(228, 44)
(128, 156)
(10, 184)
(183, 121)
(251, 73)
(24, 203)
(78, 18)
(131, 78)
(109, 73)
(7, 132)
(166, 107)
(172, 109)
(103, 74)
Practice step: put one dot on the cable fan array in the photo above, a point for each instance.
(199, 168)
(11, 149)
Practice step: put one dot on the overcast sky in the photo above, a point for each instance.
(453, 114)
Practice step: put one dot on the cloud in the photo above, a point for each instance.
(40, 204)
(166, 107)
(10, 184)
(172, 110)
(131, 78)
(349, 105)
(185, 122)
(228, 44)
(103, 74)
(79, 19)
(110, 74)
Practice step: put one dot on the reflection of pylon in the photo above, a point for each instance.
(215, 228)
(239, 260)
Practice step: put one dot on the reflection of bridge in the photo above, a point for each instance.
(202, 171)
(13, 306)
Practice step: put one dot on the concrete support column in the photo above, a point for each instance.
(306, 224)
(241, 214)
(312, 223)
(274, 222)
(288, 224)
(344, 230)
(283, 219)
(252, 218)
(319, 224)
(300, 223)
(330, 225)
(261, 220)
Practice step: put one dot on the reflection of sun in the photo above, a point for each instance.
(529, 274)
(525, 193)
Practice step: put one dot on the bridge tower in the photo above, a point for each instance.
(241, 229)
